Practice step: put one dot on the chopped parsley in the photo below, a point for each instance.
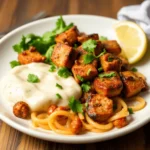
(64, 72)
(52, 68)
(130, 111)
(33, 78)
(134, 69)
(75, 105)
(100, 69)
(88, 72)
(89, 45)
(107, 75)
(58, 96)
(59, 86)
(88, 58)
(103, 38)
(80, 78)
(110, 59)
(86, 105)
(14, 63)
(86, 86)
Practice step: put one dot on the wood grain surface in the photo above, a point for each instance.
(16, 12)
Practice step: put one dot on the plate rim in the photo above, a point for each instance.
(63, 138)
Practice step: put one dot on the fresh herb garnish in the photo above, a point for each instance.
(14, 63)
(88, 58)
(86, 86)
(80, 78)
(130, 111)
(58, 96)
(100, 69)
(89, 45)
(103, 38)
(52, 68)
(75, 105)
(134, 69)
(33, 78)
(86, 105)
(107, 75)
(110, 59)
(49, 53)
(59, 86)
(101, 54)
(42, 43)
(64, 72)
(88, 72)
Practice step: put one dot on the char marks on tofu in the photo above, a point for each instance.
(29, 56)
(109, 86)
(100, 108)
(63, 55)
(132, 83)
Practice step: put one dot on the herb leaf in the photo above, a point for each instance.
(88, 58)
(89, 45)
(130, 111)
(58, 96)
(64, 72)
(107, 75)
(86, 86)
(59, 86)
(14, 63)
(52, 68)
(101, 54)
(75, 105)
(110, 59)
(48, 53)
(134, 69)
(88, 72)
(103, 38)
(100, 69)
(33, 78)
(80, 78)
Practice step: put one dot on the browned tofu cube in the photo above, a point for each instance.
(83, 37)
(99, 108)
(112, 46)
(97, 50)
(132, 83)
(68, 37)
(29, 56)
(85, 72)
(110, 62)
(63, 55)
(108, 84)
(124, 63)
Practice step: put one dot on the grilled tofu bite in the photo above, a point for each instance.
(108, 84)
(110, 62)
(124, 63)
(132, 83)
(112, 46)
(29, 56)
(63, 55)
(83, 37)
(99, 108)
(97, 50)
(68, 37)
(84, 72)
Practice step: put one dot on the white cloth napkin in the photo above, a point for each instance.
(137, 13)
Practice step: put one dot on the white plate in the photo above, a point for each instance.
(85, 23)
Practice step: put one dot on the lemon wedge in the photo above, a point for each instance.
(132, 40)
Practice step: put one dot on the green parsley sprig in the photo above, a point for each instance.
(33, 78)
(107, 75)
(64, 72)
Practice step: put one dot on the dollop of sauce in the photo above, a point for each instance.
(39, 96)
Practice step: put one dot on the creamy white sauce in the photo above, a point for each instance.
(14, 87)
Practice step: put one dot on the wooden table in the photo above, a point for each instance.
(14, 12)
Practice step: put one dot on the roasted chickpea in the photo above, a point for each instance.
(51, 109)
(119, 123)
(21, 110)
(76, 125)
